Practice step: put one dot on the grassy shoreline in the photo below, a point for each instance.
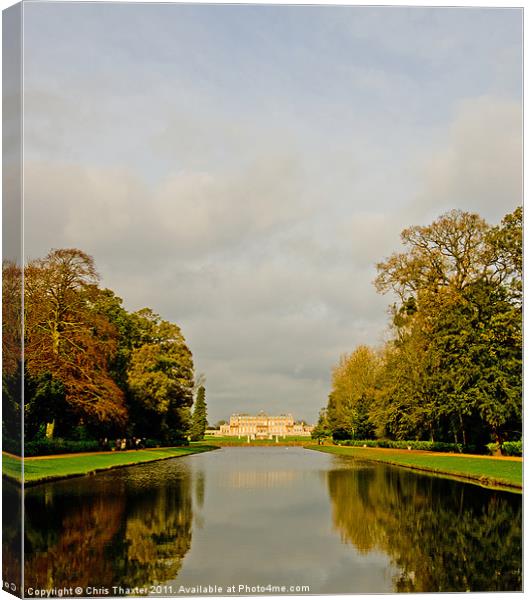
(40, 469)
(487, 471)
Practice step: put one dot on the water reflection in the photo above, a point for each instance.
(443, 535)
(261, 479)
(130, 527)
(275, 516)
(11, 533)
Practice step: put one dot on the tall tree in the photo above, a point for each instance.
(69, 340)
(353, 390)
(451, 252)
(199, 421)
(456, 359)
(160, 377)
(11, 318)
(479, 341)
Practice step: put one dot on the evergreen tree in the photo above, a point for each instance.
(200, 418)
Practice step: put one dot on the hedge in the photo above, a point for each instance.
(512, 448)
(507, 448)
(44, 446)
(406, 445)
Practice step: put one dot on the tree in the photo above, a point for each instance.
(405, 402)
(506, 248)
(199, 421)
(90, 366)
(11, 318)
(11, 356)
(128, 329)
(451, 252)
(321, 429)
(353, 390)
(480, 342)
(68, 339)
(160, 378)
(454, 365)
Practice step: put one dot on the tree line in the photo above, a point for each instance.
(91, 368)
(451, 369)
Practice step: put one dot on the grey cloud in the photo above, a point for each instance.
(191, 212)
(373, 235)
(80, 206)
(275, 316)
(269, 360)
(247, 190)
(478, 166)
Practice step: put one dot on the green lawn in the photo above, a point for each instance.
(40, 469)
(488, 471)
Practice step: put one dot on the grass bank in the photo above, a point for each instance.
(485, 470)
(39, 469)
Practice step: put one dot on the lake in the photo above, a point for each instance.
(297, 520)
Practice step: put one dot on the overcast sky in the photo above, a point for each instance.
(240, 169)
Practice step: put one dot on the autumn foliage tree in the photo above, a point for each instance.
(11, 317)
(352, 395)
(68, 340)
(91, 368)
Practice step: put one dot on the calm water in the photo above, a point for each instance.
(271, 516)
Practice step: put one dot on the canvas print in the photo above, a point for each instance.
(262, 299)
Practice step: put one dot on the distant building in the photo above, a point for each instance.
(262, 426)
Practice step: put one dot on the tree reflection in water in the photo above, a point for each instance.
(122, 528)
(133, 527)
(11, 533)
(442, 535)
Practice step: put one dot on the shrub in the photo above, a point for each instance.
(342, 435)
(172, 441)
(493, 448)
(152, 443)
(406, 444)
(44, 446)
(512, 448)
(367, 443)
